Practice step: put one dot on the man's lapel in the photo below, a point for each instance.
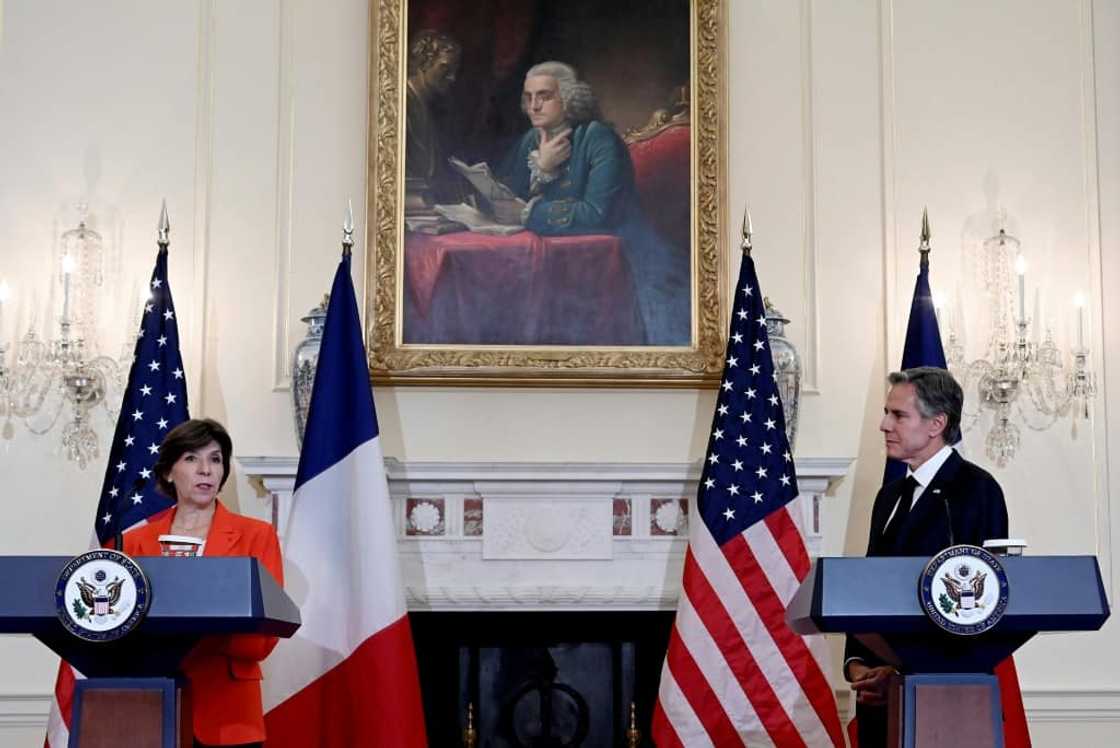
(931, 504)
(224, 533)
(893, 498)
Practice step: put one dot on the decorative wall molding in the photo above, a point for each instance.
(522, 529)
(544, 536)
(810, 356)
(285, 167)
(1091, 159)
(23, 710)
(892, 348)
(1070, 706)
(203, 179)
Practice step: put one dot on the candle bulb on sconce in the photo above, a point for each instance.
(67, 270)
(5, 292)
(1021, 271)
(1079, 302)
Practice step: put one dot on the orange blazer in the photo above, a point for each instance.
(223, 672)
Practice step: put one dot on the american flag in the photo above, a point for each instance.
(155, 401)
(734, 673)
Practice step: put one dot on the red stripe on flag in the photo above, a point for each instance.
(699, 693)
(370, 698)
(1015, 731)
(792, 646)
(738, 657)
(853, 733)
(64, 691)
(661, 729)
(789, 539)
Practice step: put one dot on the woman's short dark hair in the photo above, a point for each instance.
(187, 437)
(936, 392)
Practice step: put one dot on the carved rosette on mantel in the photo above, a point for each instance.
(545, 536)
(304, 360)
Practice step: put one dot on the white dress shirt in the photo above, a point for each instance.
(922, 476)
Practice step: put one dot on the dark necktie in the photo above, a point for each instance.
(905, 499)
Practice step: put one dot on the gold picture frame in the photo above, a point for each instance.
(395, 360)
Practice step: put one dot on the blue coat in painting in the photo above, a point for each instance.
(594, 193)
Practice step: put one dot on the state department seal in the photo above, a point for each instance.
(101, 595)
(963, 589)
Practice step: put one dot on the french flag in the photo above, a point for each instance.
(348, 677)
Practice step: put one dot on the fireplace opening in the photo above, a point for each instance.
(541, 679)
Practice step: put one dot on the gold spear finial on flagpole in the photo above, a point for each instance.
(748, 231)
(924, 247)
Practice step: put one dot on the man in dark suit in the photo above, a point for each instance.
(944, 500)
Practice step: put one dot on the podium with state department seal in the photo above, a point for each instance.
(126, 624)
(944, 623)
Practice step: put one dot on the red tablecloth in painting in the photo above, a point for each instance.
(524, 289)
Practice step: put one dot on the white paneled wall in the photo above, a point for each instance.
(846, 118)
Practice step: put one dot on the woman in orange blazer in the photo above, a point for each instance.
(223, 672)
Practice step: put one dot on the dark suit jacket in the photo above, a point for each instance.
(223, 672)
(961, 491)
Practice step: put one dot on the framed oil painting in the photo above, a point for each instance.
(546, 192)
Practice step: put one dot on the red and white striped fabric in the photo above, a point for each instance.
(58, 727)
(735, 674)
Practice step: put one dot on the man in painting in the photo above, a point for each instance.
(433, 65)
(575, 174)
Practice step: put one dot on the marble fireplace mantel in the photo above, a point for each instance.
(543, 536)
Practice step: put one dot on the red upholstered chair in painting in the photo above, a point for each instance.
(661, 152)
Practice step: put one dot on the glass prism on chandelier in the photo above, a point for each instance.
(1016, 376)
(43, 380)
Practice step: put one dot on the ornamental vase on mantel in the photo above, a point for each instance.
(304, 361)
(787, 369)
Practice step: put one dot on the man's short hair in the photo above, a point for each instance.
(426, 48)
(579, 102)
(937, 392)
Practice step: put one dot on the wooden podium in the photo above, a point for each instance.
(946, 694)
(132, 693)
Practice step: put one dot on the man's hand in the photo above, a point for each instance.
(554, 151)
(870, 683)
